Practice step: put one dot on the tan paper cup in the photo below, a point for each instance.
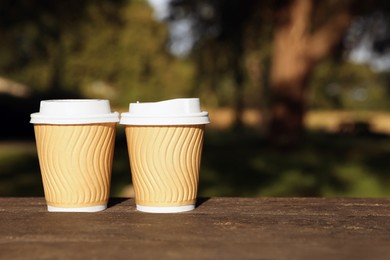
(165, 141)
(75, 143)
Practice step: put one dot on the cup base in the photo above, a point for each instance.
(83, 209)
(152, 209)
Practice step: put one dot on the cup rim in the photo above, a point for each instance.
(194, 119)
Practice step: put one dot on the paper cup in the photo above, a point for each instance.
(75, 143)
(165, 141)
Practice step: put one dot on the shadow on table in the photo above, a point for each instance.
(200, 201)
(112, 202)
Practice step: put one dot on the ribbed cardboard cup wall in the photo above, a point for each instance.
(75, 143)
(165, 162)
(76, 163)
(165, 141)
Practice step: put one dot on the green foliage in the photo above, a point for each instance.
(129, 62)
(123, 59)
(115, 50)
(347, 86)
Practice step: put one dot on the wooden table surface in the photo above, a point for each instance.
(219, 228)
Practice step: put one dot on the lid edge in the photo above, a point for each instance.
(37, 118)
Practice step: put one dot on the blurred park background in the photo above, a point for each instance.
(297, 90)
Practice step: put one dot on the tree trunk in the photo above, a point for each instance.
(296, 51)
(289, 72)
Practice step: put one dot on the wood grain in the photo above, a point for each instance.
(219, 228)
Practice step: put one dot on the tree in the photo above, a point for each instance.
(298, 46)
(35, 31)
(302, 32)
(215, 30)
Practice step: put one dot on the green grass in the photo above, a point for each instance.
(245, 164)
(19, 170)
(329, 165)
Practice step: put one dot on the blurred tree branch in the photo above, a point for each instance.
(36, 31)
(297, 48)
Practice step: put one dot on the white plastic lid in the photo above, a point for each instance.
(74, 111)
(180, 111)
